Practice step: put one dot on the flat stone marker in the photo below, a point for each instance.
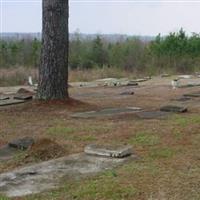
(189, 85)
(2, 97)
(171, 108)
(182, 99)
(22, 143)
(23, 97)
(106, 112)
(47, 175)
(132, 83)
(11, 102)
(192, 95)
(108, 151)
(152, 115)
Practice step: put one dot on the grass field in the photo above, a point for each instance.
(168, 164)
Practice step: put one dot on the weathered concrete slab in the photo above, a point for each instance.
(108, 150)
(3, 97)
(182, 99)
(192, 95)
(189, 85)
(165, 75)
(47, 175)
(11, 102)
(23, 97)
(185, 76)
(106, 112)
(152, 115)
(172, 108)
(22, 143)
(132, 83)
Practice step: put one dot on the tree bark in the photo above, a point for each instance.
(53, 70)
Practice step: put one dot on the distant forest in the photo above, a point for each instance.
(176, 52)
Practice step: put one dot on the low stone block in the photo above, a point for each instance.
(2, 97)
(22, 143)
(171, 108)
(182, 99)
(9, 102)
(192, 95)
(23, 97)
(108, 151)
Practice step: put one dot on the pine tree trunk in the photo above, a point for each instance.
(53, 70)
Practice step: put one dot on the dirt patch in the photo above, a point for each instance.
(45, 149)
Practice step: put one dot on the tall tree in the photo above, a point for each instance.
(53, 70)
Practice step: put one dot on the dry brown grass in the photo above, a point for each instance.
(169, 149)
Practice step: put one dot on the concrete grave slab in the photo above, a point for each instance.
(11, 102)
(189, 85)
(108, 150)
(23, 97)
(152, 115)
(173, 108)
(192, 95)
(182, 99)
(132, 83)
(2, 97)
(47, 175)
(106, 112)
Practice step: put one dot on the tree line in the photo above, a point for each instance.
(175, 52)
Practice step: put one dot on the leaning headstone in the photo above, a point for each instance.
(172, 108)
(108, 150)
(22, 143)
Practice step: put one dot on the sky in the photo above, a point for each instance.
(132, 17)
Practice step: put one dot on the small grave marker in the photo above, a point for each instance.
(108, 151)
(172, 108)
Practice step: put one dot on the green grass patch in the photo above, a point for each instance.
(3, 197)
(185, 121)
(69, 133)
(60, 130)
(161, 153)
(145, 139)
(105, 187)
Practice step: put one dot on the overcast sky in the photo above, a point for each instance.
(107, 16)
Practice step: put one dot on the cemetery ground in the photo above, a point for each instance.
(167, 149)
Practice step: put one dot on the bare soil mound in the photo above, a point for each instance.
(45, 149)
